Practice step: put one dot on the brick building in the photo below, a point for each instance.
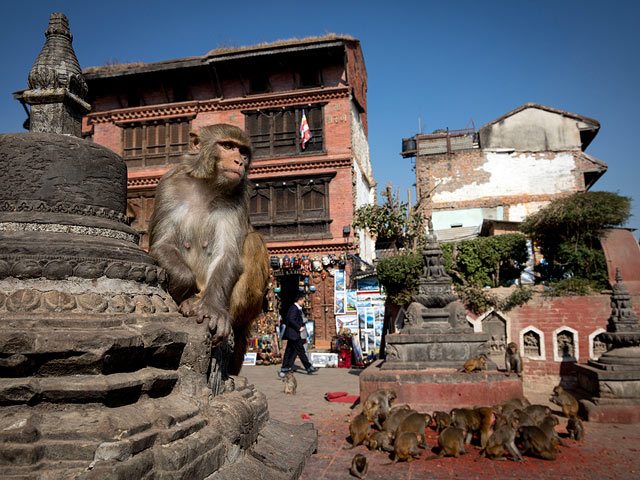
(509, 168)
(301, 199)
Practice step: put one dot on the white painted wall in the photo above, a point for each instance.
(516, 174)
(365, 185)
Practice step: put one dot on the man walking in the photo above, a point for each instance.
(295, 343)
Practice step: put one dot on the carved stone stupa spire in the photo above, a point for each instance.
(56, 85)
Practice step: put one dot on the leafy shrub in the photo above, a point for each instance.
(399, 275)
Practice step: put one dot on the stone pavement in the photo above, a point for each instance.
(608, 451)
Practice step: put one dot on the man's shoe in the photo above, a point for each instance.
(283, 371)
(311, 370)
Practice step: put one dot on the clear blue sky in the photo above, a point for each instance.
(445, 64)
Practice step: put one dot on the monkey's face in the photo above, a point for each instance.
(233, 160)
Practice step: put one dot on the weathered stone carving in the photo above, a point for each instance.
(566, 346)
(531, 342)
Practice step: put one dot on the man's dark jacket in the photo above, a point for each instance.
(294, 323)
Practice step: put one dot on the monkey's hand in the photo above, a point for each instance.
(189, 307)
(219, 324)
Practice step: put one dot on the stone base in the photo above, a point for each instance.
(610, 413)
(440, 388)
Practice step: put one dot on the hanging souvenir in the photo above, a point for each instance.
(276, 289)
(316, 264)
(306, 263)
(326, 261)
(323, 274)
(296, 262)
(275, 262)
(286, 262)
(312, 288)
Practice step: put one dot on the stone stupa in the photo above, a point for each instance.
(433, 341)
(612, 382)
(100, 377)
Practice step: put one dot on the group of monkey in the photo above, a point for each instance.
(514, 425)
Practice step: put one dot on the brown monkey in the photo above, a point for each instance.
(468, 420)
(513, 360)
(359, 429)
(486, 416)
(290, 383)
(473, 364)
(380, 441)
(534, 440)
(520, 403)
(565, 400)
(395, 418)
(359, 466)
(575, 428)
(199, 233)
(537, 413)
(405, 446)
(548, 426)
(503, 437)
(451, 443)
(414, 422)
(442, 420)
(378, 405)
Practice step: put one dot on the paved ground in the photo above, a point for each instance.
(609, 451)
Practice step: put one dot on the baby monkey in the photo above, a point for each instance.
(473, 364)
(359, 466)
(290, 383)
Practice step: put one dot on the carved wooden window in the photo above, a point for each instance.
(276, 132)
(158, 142)
(288, 208)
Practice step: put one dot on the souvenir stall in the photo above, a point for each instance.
(289, 276)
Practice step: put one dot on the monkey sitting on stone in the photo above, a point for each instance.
(473, 364)
(359, 466)
(290, 383)
(513, 360)
(199, 232)
(565, 401)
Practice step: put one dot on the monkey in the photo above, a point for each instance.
(378, 405)
(548, 426)
(473, 364)
(359, 429)
(290, 383)
(451, 443)
(471, 421)
(359, 466)
(575, 428)
(380, 441)
(405, 446)
(442, 420)
(537, 413)
(503, 437)
(395, 418)
(513, 360)
(199, 232)
(520, 403)
(414, 422)
(534, 440)
(565, 400)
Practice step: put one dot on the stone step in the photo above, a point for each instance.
(112, 390)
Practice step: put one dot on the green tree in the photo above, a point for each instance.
(568, 232)
(393, 224)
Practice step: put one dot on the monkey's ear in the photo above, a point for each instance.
(194, 141)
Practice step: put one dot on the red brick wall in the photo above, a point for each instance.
(547, 314)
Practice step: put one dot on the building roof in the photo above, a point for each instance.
(591, 122)
(220, 54)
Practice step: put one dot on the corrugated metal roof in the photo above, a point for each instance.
(458, 234)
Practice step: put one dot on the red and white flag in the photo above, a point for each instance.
(305, 133)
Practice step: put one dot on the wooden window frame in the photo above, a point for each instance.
(155, 142)
(268, 142)
(301, 222)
